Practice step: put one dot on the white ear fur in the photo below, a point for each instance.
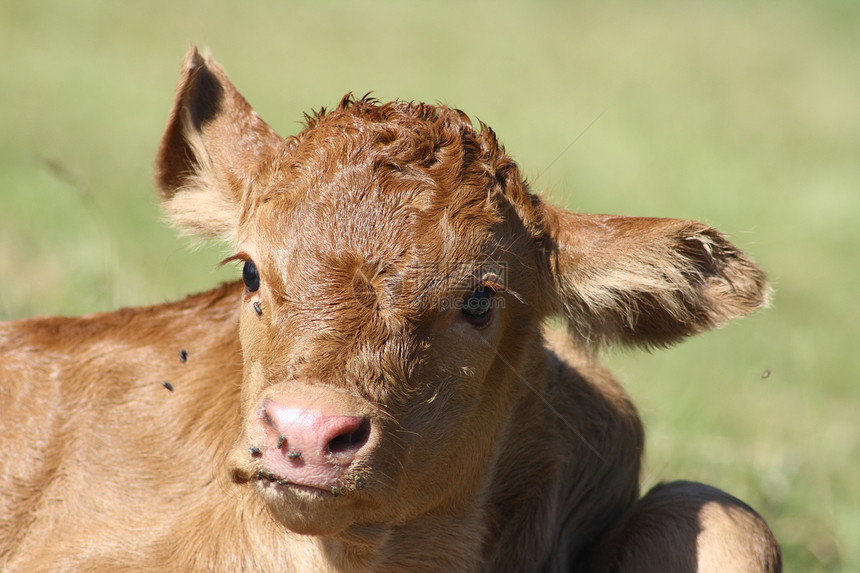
(204, 206)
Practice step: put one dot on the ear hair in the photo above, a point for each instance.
(644, 281)
(203, 206)
(214, 149)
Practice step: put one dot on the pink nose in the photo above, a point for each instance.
(305, 447)
(310, 433)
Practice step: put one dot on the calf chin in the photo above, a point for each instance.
(309, 511)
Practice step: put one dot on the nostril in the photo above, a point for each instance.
(351, 440)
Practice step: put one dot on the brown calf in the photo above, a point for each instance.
(379, 394)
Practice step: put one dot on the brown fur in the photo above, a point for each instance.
(493, 445)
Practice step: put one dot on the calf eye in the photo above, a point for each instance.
(250, 276)
(476, 307)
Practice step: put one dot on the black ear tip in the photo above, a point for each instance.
(204, 97)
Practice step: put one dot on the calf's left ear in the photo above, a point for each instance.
(645, 281)
(212, 152)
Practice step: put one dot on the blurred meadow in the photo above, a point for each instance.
(745, 115)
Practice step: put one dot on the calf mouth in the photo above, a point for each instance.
(269, 468)
(266, 479)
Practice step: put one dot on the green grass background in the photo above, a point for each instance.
(743, 114)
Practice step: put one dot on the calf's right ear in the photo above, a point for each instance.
(213, 150)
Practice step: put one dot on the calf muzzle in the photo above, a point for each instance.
(308, 447)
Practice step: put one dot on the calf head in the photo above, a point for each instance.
(397, 271)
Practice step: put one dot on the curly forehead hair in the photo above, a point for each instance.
(430, 126)
(433, 143)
